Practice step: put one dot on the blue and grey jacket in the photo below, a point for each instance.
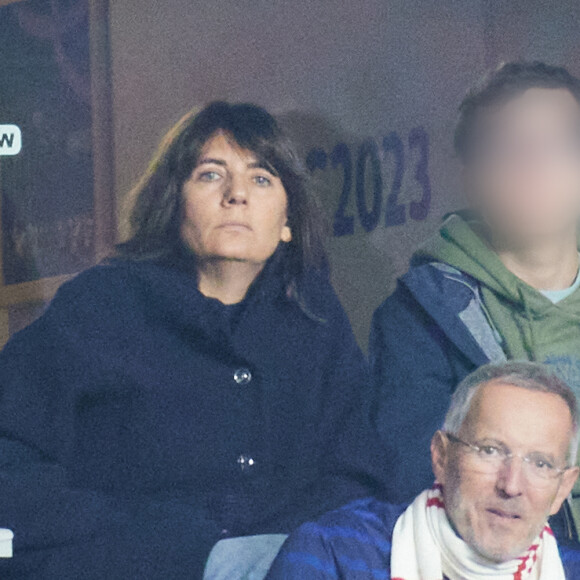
(425, 338)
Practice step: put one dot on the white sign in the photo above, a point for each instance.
(10, 140)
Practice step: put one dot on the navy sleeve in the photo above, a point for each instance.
(352, 459)
(63, 530)
(358, 449)
(353, 542)
(413, 381)
(305, 555)
(570, 554)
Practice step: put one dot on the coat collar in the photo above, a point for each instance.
(443, 298)
(171, 297)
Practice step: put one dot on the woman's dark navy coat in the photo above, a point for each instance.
(140, 422)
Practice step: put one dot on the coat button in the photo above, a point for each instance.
(245, 462)
(242, 376)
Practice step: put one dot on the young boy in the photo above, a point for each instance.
(500, 280)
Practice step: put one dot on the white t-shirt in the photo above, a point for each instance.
(556, 296)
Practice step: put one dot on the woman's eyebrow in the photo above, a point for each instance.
(262, 165)
(211, 160)
(250, 165)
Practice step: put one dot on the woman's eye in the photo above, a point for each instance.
(262, 180)
(209, 176)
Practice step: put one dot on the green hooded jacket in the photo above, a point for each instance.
(530, 325)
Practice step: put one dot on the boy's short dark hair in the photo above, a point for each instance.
(500, 85)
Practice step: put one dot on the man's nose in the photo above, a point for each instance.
(511, 478)
(236, 192)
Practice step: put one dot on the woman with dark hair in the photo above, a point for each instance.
(201, 391)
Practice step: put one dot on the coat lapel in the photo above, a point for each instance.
(444, 299)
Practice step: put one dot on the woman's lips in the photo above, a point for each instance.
(235, 226)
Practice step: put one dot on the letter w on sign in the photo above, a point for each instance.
(10, 140)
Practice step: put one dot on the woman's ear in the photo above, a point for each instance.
(439, 449)
(286, 234)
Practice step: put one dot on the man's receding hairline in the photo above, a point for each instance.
(501, 382)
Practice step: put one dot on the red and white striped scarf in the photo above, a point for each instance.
(425, 547)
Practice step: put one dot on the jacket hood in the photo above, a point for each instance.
(460, 246)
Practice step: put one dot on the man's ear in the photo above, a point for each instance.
(569, 478)
(439, 452)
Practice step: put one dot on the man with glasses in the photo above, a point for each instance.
(503, 463)
(499, 281)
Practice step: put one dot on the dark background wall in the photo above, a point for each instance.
(370, 83)
(336, 72)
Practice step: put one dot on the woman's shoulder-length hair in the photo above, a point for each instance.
(156, 202)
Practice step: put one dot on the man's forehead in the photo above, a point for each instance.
(520, 416)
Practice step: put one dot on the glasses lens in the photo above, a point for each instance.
(536, 470)
(540, 467)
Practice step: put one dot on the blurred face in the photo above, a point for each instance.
(524, 173)
(235, 209)
(500, 514)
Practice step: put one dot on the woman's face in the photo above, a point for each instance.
(235, 209)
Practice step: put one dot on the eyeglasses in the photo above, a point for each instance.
(489, 458)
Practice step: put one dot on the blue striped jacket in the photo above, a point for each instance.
(354, 543)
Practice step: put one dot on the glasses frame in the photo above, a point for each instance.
(558, 471)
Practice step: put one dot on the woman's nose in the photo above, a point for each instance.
(236, 192)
